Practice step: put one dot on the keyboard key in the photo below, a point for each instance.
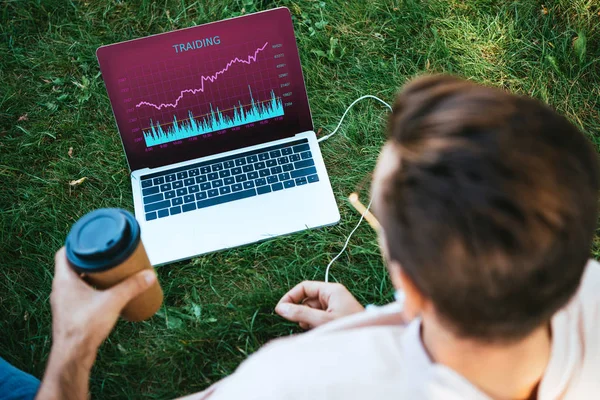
(271, 163)
(301, 147)
(182, 192)
(263, 157)
(306, 155)
(157, 206)
(263, 189)
(236, 171)
(189, 181)
(276, 170)
(264, 172)
(272, 179)
(252, 159)
(213, 176)
(171, 194)
(204, 170)
(150, 190)
(201, 196)
(283, 177)
(287, 151)
(313, 178)
(165, 187)
(228, 164)
(213, 192)
(275, 154)
(201, 179)
(237, 187)
(182, 175)
(217, 184)
(194, 172)
(288, 167)
(283, 160)
(252, 175)
(189, 198)
(153, 198)
(240, 161)
(304, 164)
(146, 183)
(205, 186)
(177, 201)
(248, 184)
(163, 213)
(259, 165)
(224, 174)
(260, 182)
(227, 198)
(301, 181)
(150, 216)
(177, 184)
(225, 190)
(170, 178)
(229, 181)
(248, 168)
(217, 167)
(277, 186)
(295, 157)
(240, 178)
(194, 189)
(303, 172)
(289, 184)
(158, 181)
(188, 207)
(175, 210)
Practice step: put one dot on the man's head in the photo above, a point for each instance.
(488, 204)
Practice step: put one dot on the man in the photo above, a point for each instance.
(488, 208)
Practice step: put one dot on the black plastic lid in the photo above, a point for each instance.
(102, 239)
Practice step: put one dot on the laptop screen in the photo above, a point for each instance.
(207, 89)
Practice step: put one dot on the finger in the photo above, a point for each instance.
(304, 314)
(304, 325)
(313, 303)
(306, 289)
(62, 269)
(121, 294)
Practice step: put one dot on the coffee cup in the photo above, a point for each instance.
(105, 248)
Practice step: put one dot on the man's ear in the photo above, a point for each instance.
(415, 302)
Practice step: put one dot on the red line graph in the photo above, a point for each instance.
(211, 78)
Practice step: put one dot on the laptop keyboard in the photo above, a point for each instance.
(228, 179)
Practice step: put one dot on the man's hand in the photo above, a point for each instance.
(82, 318)
(312, 304)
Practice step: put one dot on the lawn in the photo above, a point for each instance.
(56, 126)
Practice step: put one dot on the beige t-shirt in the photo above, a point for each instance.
(371, 355)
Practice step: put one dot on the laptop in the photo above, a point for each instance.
(217, 130)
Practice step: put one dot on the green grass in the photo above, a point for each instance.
(219, 308)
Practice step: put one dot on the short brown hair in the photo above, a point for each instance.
(493, 208)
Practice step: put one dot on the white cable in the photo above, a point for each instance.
(347, 241)
(368, 96)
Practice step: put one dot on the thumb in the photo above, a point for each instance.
(302, 313)
(131, 287)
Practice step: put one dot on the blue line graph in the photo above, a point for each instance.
(214, 121)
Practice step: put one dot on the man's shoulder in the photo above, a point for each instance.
(361, 346)
(576, 352)
(590, 282)
(585, 304)
(583, 311)
(338, 364)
